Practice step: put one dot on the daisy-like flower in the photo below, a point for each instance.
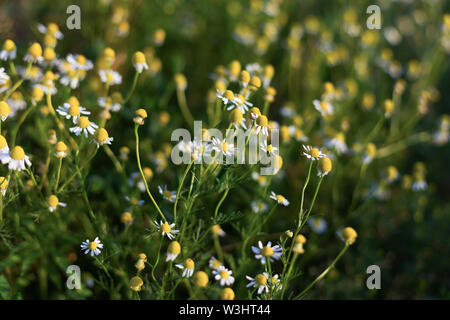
(324, 107)
(51, 29)
(134, 201)
(167, 194)
(224, 276)
(312, 153)
(263, 253)
(324, 167)
(72, 78)
(166, 229)
(53, 203)
(237, 119)
(139, 62)
(188, 268)
(275, 282)
(79, 62)
(5, 110)
(240, 102)
(3, 185)
(271, 150)
(258, 206)
(34, 53)
(3, 76)
(9, 50)
(113, 103)
(348, 235)
(4, 150)
(391, 174)
(214, 263)
(92, 246)
(16, 102)
(226, 96)
(260, 282)
(72, 110)
(317, 224)
(84, 126)
(338, 143)
(110, 76)
(262, 125)
(369, 153)
(173, 250)
(223, 147)
(101, 137)
(216, 230)
(17, 159)
(279, 198)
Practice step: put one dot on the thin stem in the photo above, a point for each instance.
(220, 203)
(133, 86)
(58, 174)
(179, 190)
(136, 127)
(323, 274)
(184, 107)
(18, 83)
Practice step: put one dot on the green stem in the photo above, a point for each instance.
(323, 274)
(136, 127)
(179, 190)
(133, 86)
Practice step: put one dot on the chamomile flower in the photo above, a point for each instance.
(259, 206)
(3, 185)
(136, 284)
(9, 50)
(173, 250)
(166, 229)
(101, 137)
(139, 62)
(279, 198)
(51, 29)
(214, 263)
(324, 167)
(338, 143)
(92, 247)
(348, 235)
(72, 110)
(237, 119)
(224, 276)
(317, 224)
(5, 110)
(260, 282)
(271, 150)
(110, 76)
(391, 174)
(222, 146)
(4, 150)
(16, 102)
(110, 103)
(134, 201)
(53, 203)
(34, 53)
(369, 153)
(275, 282)
(216, 230)
(84, 126)
(263, 253)
(312, 153)
(262, 125)
(167, 194)
(3, 76)
(17, 159)
(240, 102)
(188, 268)
(79, 62)
(324, 107)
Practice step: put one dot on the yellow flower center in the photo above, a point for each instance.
(109, 77)
(325, 164)
(167, 194)
(267, 252)
(139, 57)
(280, 198)
(200, 279)
(93, 245)
(35, 50)
(262, 121)
(9, 45)
(314, 152)
(52, 27)
(174, 247)
(17, 153)
(3, 142)
(101, 135)
(224, 146)
(324, 105)
(5, 109)
(3, 183)
(223, 274)
(49, 54)
(216, 263)
(261, 280)
(52, 201)
(136, 283)
(81, 59)
(236, 116)
(74, 110)
(269, 148)
(165, 227)
(83, 122)
(241, 100)
(189, 264)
